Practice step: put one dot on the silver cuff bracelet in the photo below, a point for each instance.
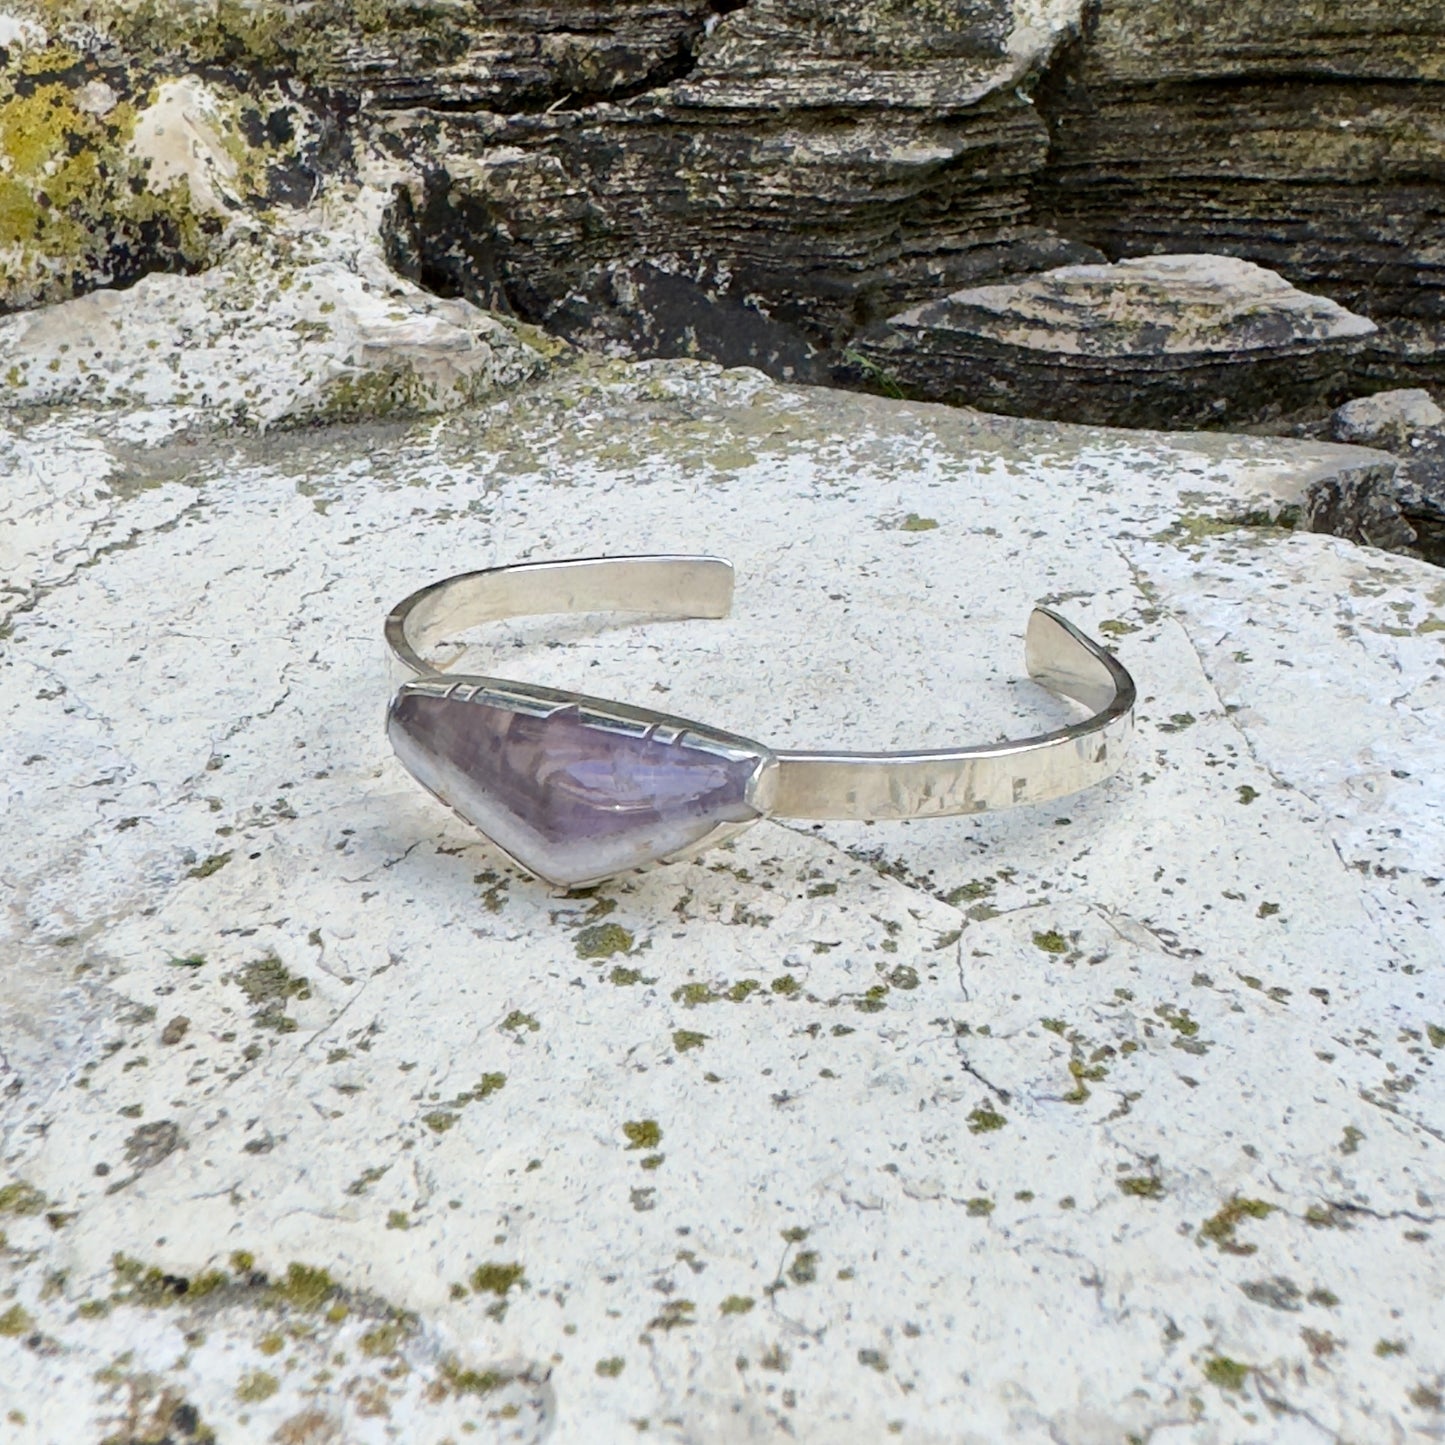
(577, 789)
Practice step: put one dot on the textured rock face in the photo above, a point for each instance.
(803, 54)
(772, 173)
(824, 166)
(1202, 339)
(318, 330)
(1306, 138)
(112, 167)
(816, 166)
(508, 55)
(1420, 498)
(759, 182)
(319, 1121)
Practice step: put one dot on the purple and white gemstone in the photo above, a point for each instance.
(572, 796)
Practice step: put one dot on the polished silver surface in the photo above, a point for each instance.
(785, 784)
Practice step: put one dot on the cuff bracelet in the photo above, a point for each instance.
(577, 789)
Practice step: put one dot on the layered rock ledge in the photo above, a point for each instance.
(753, 183)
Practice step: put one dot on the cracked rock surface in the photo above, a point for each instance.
(1118, 1117)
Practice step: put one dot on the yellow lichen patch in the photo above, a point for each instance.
(21, 1197)
(106, 175)
(49, 156)
(256, 1386)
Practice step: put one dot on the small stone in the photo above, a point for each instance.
(175, 1031)
(1387, 419)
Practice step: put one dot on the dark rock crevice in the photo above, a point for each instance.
(589, 67)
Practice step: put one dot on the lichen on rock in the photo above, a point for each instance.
(301, 324)
(111, 167)
(953, 1075)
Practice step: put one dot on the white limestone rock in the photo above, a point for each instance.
(1116, 1117)
(20, 32)
(178, 141)
(275, 333)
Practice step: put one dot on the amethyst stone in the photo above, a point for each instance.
(572, 796)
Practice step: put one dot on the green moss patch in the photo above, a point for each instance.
(22, 1198)
(602, 940)
(496, 1279)
(267, 980)
(1226, 1373)
(1141, 1186)
(305, 1288)
(1222, 1227)
(642, 1133)
(985, 1121)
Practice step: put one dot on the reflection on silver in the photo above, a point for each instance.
(784, 784)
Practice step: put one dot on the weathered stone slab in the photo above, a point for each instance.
(310, 327)
(1163, 340)
(1388, 418)
(1116, 1117)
